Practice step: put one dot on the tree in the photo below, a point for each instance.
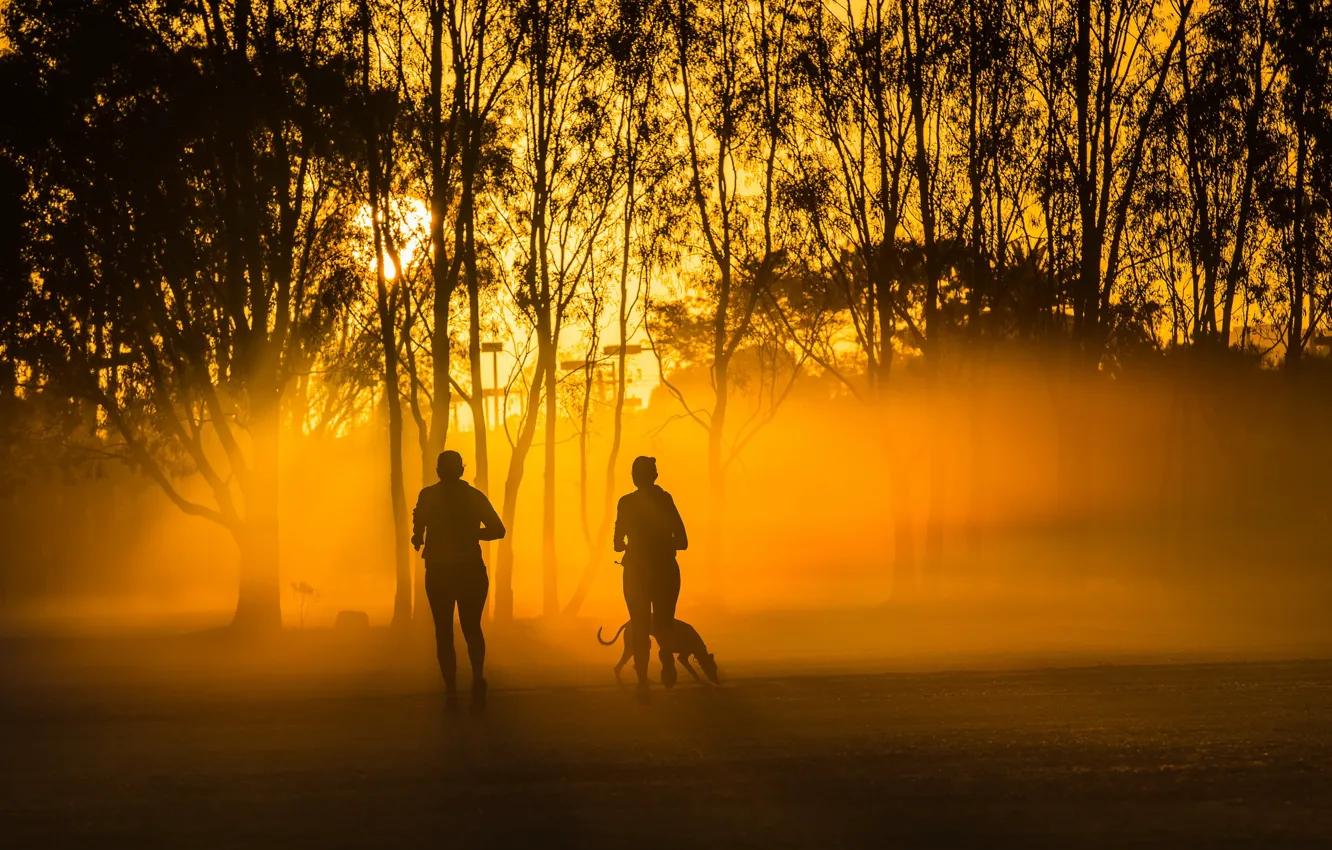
(1303, 33)
(1119, 84)
(734, 116)
(634, 41)
(1223, 128)
(185, 339)
(850, 189)
(379, 116)
(565, 197)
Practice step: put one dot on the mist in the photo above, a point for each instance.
(1170, 510)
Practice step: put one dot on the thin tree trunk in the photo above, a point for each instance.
(259, 603)
(402, 597)
(550, 597)
(1090, 250)
(512, 483)
(975, 167)
(476, 400)
(905, 584)
(443, 273)
(717, 474)
(931, 342)
(617, 426)
(1252, 153)
(1295, 336)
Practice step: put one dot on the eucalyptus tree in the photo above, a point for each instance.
(1122, 56)
(990, 122)
(1300, 199)
(186, 338)
(849, 191)
(379, 116)
(484, 41)
(921, 49)
(561, 204)
(851, 176)
(413, 59)
(634, 40)
(581, 210)
(732, 84)
(1199, 218)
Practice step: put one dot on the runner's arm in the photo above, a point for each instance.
(619, 526)
(677, 528)
(491, 526)
(418, 522)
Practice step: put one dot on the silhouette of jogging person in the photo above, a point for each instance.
(649, 531)
(451, 518)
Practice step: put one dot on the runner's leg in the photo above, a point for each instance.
(440, 593)
(638, 598)
(666, 593)
(472, 591)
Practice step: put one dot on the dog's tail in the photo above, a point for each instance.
(614, 637)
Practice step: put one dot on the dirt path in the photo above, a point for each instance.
(1163, 756)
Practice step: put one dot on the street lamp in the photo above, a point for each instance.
(493, 349)
(627, 349)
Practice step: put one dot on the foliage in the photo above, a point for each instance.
(221, 223)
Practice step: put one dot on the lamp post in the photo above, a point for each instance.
(493, 349)
(615, 350)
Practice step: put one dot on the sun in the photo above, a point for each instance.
(406, 224)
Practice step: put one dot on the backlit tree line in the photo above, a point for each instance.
(229, 224)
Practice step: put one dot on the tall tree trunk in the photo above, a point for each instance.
(1207, 241)
(550, 596)
(259, 604)
(477, 400)
(717, 549)
(420, 605)
(916, 91)
(885, 267)
(617, 426)
(1089, 269)
(931, 343)
(1053, 256)
(512, 483)
(975, 168)
(905, 585)
(1251, 159)
(1295, 336)
(402, 597)
(444, 274)
(979, 286)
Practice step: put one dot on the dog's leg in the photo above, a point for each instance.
(684, 659)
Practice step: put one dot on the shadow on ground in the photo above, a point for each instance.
(196, 742)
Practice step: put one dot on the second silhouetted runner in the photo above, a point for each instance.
(649, 531)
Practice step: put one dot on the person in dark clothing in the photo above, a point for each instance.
(649, 531)
(450, 520)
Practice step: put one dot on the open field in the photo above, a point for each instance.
(361, 754)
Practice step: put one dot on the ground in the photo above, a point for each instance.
(1160, 755)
